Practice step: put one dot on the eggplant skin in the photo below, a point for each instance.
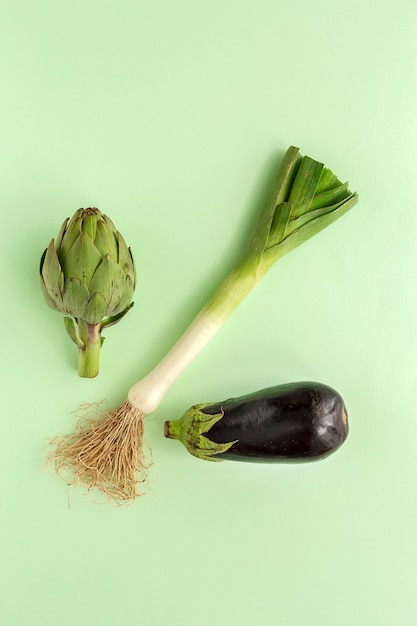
(301, 421)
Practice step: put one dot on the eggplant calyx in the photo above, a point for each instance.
(191, 429)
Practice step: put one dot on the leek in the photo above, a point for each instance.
(107, 453)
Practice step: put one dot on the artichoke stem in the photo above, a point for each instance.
(89, 354)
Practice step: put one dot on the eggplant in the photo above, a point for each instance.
(303, 421)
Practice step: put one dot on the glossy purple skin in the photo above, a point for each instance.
(294, 422)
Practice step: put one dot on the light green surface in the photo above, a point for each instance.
(171, 117)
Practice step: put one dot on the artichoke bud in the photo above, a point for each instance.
(88, 273)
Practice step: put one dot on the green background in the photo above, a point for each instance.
(171, 117)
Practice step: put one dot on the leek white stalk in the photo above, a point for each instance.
(147, 394)
(107, 452)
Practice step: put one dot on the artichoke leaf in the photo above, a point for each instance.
(51, 277)
(125, 258)
(72, 331)
(118, 286)
(95, 309)
(82, 260)
(50, 265)
(110, 281)
(111, 320)
(53, 302)
(76, 297)
(70, 234)
(126, 298)
(103, 277)
(105, 241)
(89, 225)
(61, 233)
(109, 224)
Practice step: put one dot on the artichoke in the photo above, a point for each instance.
(88, 273)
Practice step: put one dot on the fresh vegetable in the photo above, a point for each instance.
(88, 273)
(294, 422)
(107, 453)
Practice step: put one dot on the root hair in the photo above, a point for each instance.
(105, 452)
